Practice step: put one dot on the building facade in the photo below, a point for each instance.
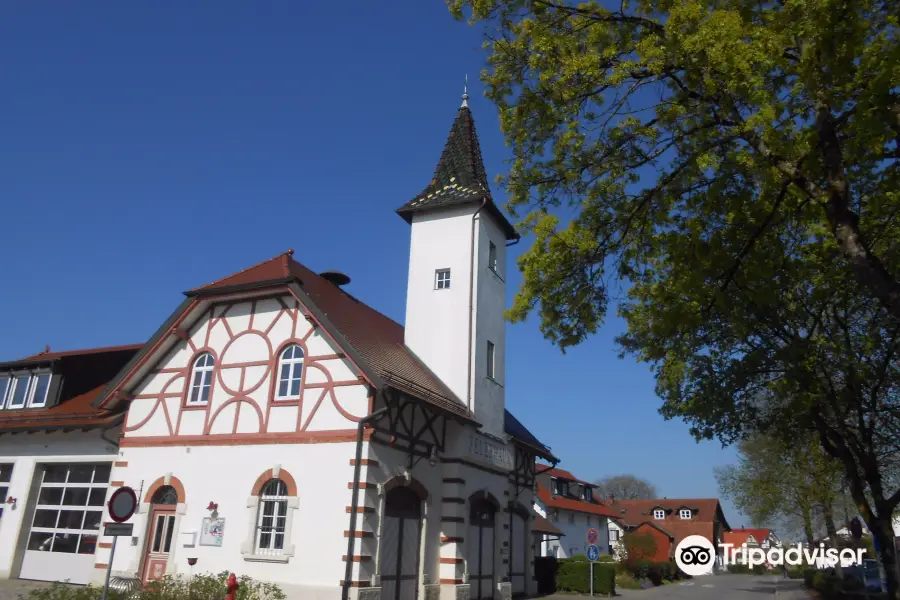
(571, 508)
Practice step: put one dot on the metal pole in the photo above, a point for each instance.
(112, 554)
(592, 579)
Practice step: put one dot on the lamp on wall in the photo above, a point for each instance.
(11, 501)
(432, 460)
(213, 509)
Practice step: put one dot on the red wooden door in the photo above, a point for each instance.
(159, 543)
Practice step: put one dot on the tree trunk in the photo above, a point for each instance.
(807, 527)
(828, 516)
(883, 532)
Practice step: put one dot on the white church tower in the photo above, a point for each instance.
(457, 277)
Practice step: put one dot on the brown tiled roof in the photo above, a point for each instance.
(85, 374)
(460, 176)
(633, 512)
(582, 506)
(543, 469)
(739, 536)
(542, 525)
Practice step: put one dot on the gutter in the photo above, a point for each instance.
(473, 265)
(354, 503)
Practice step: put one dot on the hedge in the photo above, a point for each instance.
(656, 572)
(205, 586)
(573, 575)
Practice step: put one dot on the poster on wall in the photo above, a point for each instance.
(212, 531)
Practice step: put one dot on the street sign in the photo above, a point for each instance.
(593, 553)
(593, 536)
(116, 529)
(122, 504)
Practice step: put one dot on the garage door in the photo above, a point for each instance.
(66, 523)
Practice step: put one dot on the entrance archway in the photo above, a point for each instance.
(400, 538)
(480, 547)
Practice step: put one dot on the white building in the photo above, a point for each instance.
(568, 503)
(56, 456)
(279, 428)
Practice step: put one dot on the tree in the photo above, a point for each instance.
(625, 487)
(637, 547)
(734, 165)
(787, 483)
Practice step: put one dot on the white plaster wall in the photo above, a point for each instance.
(437, 320)
(574, 539)
(490, 325)
(245, 334)
(226, 475)
(26, 452)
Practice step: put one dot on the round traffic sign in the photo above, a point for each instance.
(593, 553)
(122, 504)
(593, 536)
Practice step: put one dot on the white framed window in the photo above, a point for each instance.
(659, 513)
(272, 520)
(18, 394)
(613, 535)
(5, 477)
(685, 513)
(201, 379)
(492, 256)
(554, 489)
(442, 279)
(40, 386)
(290, 373)
(5, 384)
(491, 352)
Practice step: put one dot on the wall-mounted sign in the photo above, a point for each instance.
(489, 451)
(212, 531)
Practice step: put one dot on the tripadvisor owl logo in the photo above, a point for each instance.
(695, 555)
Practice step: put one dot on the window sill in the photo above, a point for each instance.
(496, 274)
(267, 559)
(194, 406)
(491, 379)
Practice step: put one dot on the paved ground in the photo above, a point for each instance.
(718, 587)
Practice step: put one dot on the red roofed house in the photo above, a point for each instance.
(568, 503)
(751, 538)
(669, 521)
(57, 451)
(278, 427)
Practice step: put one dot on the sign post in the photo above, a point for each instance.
(121, 506)
(593, 553)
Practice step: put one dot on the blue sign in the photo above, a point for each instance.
(593, 553)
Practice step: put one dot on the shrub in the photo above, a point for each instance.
(200, 587)
(796, 573)
(759, 569)
(809, 576)
(827, 584)
(606, 558)
(739, 569)
(573, 575)
(638, 546)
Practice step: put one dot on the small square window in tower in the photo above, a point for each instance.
(442, 279)
(492, 256)
(490, 359)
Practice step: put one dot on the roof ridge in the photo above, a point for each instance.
(289, 252)
(77, 351)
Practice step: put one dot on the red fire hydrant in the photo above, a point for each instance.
(232, 587)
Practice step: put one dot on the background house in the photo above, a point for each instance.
(668, 521)
(751, 538)
(569, 505)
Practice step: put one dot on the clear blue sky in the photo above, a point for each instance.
(148, 148)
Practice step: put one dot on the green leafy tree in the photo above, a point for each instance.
(734, 165)
(638, 547)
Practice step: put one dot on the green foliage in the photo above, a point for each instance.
(200, 587)
(655, 572)
(738, 569)
(606, 558)
(796, 573)
(809, 576)
(573, 575)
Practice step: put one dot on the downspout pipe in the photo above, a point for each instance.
(354, 502)
(473, 266)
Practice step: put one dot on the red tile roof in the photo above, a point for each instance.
(739, 536)
(633, 512)
(561, 502)
(85, 374)
(543, 469)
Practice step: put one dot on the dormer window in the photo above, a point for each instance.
(18, 393)
(659, 513)
(40, 386)
(554, 487)
(685, 513)
(24, 389)
(588, 494)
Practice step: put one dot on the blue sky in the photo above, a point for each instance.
(148, 148)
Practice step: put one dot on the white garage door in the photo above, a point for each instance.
(66, 523)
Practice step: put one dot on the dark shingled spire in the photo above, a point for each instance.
(460, 177)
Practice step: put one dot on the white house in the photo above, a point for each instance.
(570, 506)
(278, 427)
(56, 456)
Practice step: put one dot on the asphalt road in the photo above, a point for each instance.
(725, 587)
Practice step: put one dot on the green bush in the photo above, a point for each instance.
(809, 577)
(796, 573)
(573, 575)
(828, 585)
(739, 569)
(606, 558)
(200, 587)
(759, 570)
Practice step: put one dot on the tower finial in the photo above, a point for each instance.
(465, 95)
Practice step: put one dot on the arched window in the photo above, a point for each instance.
(201, 379)
(165, 495)
(290, 371)
(272, 520)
